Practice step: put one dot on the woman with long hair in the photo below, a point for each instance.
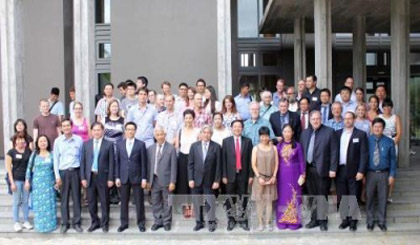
(40, 177)
(21, 126)
(210, 103)
(229, 111)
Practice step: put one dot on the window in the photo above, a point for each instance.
(104, 51)
(415, 59)
(371, 59)
(103, 11)
(103, 78)
(270, 59)
(248, 60)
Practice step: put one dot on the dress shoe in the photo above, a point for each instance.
(198, 226)
(78, 229)
(344, 225)
(323, 226)
(93, 228)
(312, 224)
(212, 226)
(382, 227)
(231, 225)
(122, 228)
(245, 226)
(105, 229)
(353, 226)
(167, 227)
(156, 227)
(64, 229)
(142, 228)
(370, 227)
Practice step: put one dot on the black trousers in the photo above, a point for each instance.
(238, 188)
(347, 189)
(317, 188)
(125, 190)
(204, 195)
(100, 190)
(70, 179)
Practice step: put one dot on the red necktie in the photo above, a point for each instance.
(303, 121)
(238, 155)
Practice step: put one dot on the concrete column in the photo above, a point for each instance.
(359, 52)
(224, 53)
(400, 72)
(84, 54)
(323, 43)
(11, 44)
(300, 49)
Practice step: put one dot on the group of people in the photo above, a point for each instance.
(273, 152)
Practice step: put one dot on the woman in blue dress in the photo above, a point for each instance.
(40, 176)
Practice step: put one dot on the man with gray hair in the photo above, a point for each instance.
(204, 173)
(162, 166)
(268, 107)
(336, 122)
(253, 124)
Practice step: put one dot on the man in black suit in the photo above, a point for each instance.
(162, 170)
(353, 160)
(320, 147)
(282, 117)
(131, 174)
(97, 174)
(237, 174)
(204, 173)
(325, 110)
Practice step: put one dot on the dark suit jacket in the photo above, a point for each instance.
(131, 169)
(330, 115)
(357, 152)
(229, 158)
(208, 172)
(326, 149)
(105, 162)
(294, 121)
(167, 166)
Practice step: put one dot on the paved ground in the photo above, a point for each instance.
(399, 238)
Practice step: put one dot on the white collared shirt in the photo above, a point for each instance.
(344, 145)
(127, 144)
(240, 142)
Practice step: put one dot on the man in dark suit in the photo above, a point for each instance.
(237, 174)
(204, 173)
(325, 110)
(303, 113)
(353, 160)
(131, 174)
(162, 167)
(97, 174)
(282, 117)
(320, 147)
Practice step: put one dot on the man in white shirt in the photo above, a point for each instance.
(348, 83)
(56, 107)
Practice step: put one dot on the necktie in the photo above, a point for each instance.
(238, 155)
(282, 120)
(130, 147)
(324, 114)
(303, 120)
(376, 155)
(158, 157)
(310, 157)
(205, 152)
(95, 156)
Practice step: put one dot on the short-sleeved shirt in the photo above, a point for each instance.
(144, 118)
(57, 109)
(19, 163)
(47, 125)
(127, 103)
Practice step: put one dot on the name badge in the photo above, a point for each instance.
(314, 98)
(18, 156)
(356, 140)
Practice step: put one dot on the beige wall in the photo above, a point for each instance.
(164, 40)
(43, 53)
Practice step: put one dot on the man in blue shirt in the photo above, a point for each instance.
(381, 172)
(67, 156)
(242, 101)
